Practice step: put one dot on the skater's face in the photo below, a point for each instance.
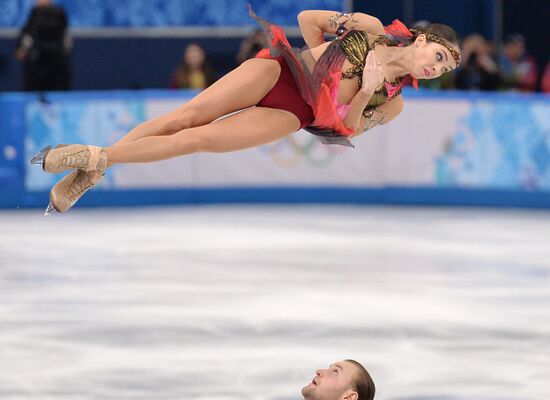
(431, 59)
(333, 383)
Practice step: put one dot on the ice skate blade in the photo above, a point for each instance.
(51, 209)
(40, 157)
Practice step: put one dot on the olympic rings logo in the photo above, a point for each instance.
(295, 149)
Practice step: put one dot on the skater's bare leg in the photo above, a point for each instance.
(245, 129)
(241, 88)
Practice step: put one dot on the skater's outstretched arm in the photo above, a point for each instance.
(314, 23)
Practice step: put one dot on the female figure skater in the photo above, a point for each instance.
(335, 90)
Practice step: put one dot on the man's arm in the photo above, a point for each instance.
(314, 23)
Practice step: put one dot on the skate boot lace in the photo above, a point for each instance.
(77, 159)
(80, 184)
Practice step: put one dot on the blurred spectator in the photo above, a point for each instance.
(194, 71)
(478, 71)
(444, 82)
(518, 68)
(545, 81)
(43, 45)
(251, 45)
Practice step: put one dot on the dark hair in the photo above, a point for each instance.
(514, 38)
(364, 385)
(398, 35)
(442, 34)
(442, 31)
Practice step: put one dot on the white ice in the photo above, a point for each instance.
(246, 302)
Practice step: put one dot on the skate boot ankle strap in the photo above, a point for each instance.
(97, 160)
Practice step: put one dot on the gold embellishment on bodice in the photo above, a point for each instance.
(356, 46)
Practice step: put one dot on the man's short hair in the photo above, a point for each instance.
(364, 385)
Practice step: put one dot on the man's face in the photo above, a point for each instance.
(332, 383)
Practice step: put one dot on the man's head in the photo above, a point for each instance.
(342, 380)
(42, 3)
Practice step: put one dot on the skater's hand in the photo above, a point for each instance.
(373, 74)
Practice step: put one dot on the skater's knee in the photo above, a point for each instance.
(190, 141)
(184, 118)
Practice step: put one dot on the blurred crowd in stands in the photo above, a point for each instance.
(43, 46)
(485, 68)
(194, 71)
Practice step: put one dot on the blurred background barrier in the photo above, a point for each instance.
(446, 148)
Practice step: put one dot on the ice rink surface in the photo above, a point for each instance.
(246, 302)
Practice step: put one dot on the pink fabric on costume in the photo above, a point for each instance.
(318, 87)
(401, 33)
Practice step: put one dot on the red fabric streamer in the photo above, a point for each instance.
(320, 90)
(319, 86)
(400, 32)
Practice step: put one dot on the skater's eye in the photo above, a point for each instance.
(439, 56)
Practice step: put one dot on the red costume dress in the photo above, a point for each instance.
(309, 88)
(285, 96)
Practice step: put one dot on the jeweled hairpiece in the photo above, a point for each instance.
(434, 38)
